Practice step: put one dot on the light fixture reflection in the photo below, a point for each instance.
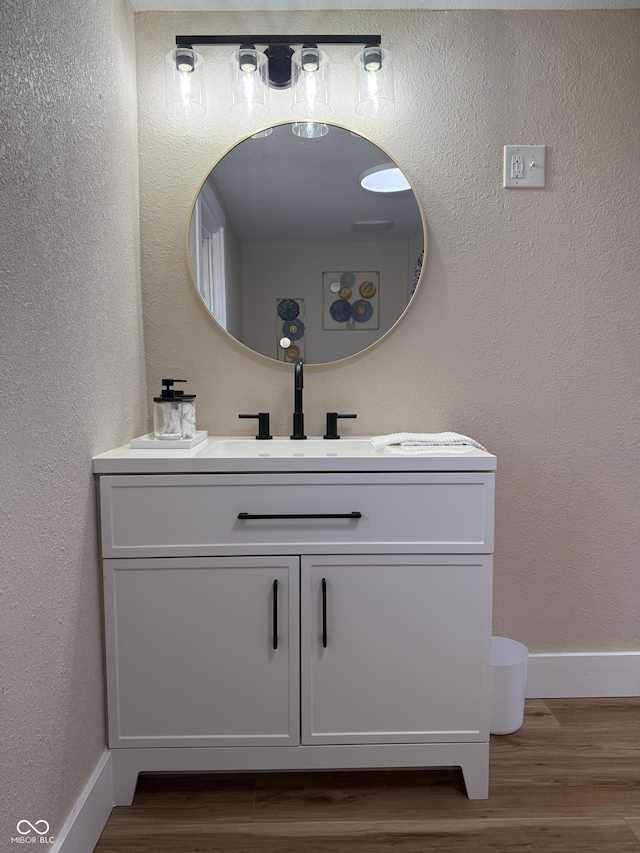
(370, 226)
(310, 129)
(386, 178)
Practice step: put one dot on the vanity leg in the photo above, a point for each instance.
(125, 778)
(475, 770)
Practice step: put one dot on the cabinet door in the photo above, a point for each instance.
(406, 650)
(190, 651)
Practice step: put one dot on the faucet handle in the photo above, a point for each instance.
(332, 424)
(263, 425)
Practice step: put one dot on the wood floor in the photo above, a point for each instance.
(567, 782)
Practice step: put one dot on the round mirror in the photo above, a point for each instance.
(293, 256)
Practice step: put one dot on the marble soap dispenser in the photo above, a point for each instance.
(167, 412)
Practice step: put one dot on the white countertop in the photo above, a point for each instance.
(244, 454)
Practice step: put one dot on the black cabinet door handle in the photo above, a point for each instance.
(275, 614)
(324, 613)
(245, 516)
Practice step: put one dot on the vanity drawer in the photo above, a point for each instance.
(197, 514)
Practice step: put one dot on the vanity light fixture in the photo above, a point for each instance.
(184, 83)
(386, 178)
(249, 92)
(310, 82)
(374, 80)
(294, 62)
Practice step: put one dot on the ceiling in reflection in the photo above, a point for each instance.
(309, 190)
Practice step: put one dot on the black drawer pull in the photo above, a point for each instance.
(244, 516)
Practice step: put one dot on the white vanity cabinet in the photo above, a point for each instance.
(297, 620)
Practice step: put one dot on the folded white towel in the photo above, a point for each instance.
(424, 439)
(432, 450)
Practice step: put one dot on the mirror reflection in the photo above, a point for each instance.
(293, 256)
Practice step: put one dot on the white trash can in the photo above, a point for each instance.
(508, 682)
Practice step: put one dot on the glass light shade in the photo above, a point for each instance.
(261, 134)
(310, 83)
(185, 88)
(310, 129)
(249, 86)
(374, 81)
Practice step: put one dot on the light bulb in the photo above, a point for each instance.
(247, 58)
(372, 59)
(310, 58)
(185, 59)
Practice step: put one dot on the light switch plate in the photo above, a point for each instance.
(527, 160)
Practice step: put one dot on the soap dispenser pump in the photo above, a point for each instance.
(167, 412)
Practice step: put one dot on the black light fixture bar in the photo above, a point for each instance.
(279, 50)
(182, 41)
(285, 67)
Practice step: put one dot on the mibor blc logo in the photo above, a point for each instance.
(32, 833)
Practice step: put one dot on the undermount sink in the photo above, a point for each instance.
(286, 447)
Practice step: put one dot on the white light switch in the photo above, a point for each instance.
(524, 166)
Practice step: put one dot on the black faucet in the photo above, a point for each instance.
(298, 414)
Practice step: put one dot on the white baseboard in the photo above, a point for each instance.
(90, 813)
(563, 676)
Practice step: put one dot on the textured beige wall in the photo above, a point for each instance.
(525, 331)
(72, 382)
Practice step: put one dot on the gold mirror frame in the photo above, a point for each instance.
(364, 349)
